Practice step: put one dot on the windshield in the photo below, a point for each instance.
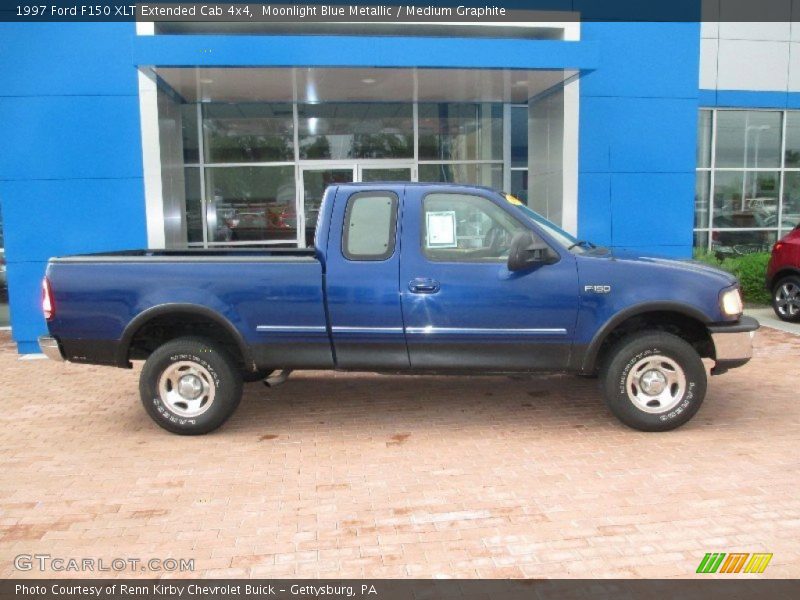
(566, 240)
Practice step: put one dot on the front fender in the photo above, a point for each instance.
(586, 361)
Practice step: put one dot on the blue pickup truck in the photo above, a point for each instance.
(403, 278)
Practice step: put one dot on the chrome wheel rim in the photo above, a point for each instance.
(187, 389)
(655, 384)
(787, 300)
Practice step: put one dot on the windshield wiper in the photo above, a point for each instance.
(582, 243)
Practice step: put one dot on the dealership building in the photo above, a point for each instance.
(657, 137)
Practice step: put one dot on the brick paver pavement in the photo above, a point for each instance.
(379, 476)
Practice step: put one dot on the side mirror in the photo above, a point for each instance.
(528, 250)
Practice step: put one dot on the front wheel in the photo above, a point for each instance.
(786, 299)
(190, 386)
(654, 381)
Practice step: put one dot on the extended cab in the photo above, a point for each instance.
(403, 278)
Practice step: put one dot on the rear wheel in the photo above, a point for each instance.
(786, 299)
(654, 381)
(190, 386)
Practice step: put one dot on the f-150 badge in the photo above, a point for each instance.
(597, 289)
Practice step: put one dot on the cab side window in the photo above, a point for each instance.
(466, 228)
(370, 224)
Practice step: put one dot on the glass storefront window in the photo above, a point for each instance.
(737, 243)
(749, 139)
(791, 200)
(756, 187)
(519, 184)
(745, 199)
(704, 139)
(191, 142)
(356, 130)
(701, 199)
(490, 175)
(519, 136)
(194, 205)
(386, 174)
(248, 132)
(700, 239)
(315, 181)
(244, 162)
(250, 204)
(460, 131)
(792, 150)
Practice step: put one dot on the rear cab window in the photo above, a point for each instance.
(370, 226)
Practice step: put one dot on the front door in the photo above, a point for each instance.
(462, 308)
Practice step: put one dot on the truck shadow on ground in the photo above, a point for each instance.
(354, 403)
(359, 400)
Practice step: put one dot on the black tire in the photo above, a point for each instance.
(203, 364)
(787, 284)
(254, 376)
(680, 373)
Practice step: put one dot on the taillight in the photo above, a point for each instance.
(48, 308)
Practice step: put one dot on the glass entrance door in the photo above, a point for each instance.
(314, 181)
(398, 173)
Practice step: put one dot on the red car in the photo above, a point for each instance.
(783, 276)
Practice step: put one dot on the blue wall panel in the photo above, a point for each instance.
(81, 215)
(66, 137)
(644, 209)
(638, 129)
(594, 202)
(71, 169)
(52, 59)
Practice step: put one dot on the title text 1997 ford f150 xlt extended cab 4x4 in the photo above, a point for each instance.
(414, 278)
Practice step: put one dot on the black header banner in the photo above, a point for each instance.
(506, 11)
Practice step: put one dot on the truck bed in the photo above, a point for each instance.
(281, 254)
(257, 294)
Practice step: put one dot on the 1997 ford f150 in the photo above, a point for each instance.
(410, 278)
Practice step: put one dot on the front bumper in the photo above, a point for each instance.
(733, 342)
(50, 348)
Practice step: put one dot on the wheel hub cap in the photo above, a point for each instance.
(656, 384)
(653, 382)
(190, 387)
(187, 389)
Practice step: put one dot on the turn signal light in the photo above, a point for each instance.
(48, 308)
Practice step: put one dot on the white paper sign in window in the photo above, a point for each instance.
(441, 228)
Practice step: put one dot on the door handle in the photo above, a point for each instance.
(423, 285)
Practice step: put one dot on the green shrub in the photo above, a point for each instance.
(750, 269)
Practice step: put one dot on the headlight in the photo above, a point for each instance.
(731, 303)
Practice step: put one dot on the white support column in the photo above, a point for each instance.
(151, 161)
(569, 211)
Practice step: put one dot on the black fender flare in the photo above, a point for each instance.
(588, 362)
(123, 348)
